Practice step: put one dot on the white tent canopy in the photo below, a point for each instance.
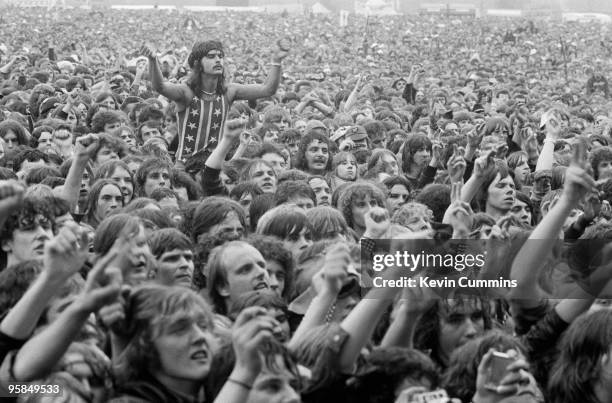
(319, 8)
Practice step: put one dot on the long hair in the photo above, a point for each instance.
(578, 365)
(460, 377)
(92, 202)
(482, 195)
(427, 332)
(194, 81)
(212, 211)
(358, 190)
(301, 162)
(283, 222)
(150, 311)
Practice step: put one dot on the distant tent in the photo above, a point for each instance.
(319, 8)
(376, 4)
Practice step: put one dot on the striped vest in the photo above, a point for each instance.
(200, 125)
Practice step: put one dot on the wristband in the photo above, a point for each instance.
(243, 384)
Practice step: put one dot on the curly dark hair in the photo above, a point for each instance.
(597, 156)
(427, 331)
(305, 141)
(273, 249)
(199, 50)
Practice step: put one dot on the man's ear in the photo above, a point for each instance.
(7, 246)
(223, 290)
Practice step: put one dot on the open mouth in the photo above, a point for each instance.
(200, 355)
(261, 286)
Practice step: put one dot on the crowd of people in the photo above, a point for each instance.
(189, 205)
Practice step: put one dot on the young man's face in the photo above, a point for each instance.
(149, 132)
(459, 323)
(229, 229)
(109, 127)
(185, 348)
(360, 207)
(521, 211)
(105, 154)
(28, 240)
(124, 180)
(604, 169)
(501, 193)
(322, 191)
(278, 385)
(128, 137)
(175, 267)
(276, 273)
(45, 141)
(246, 271)
(212, 62)
(277, 162)
(398, 196)
(10, 138)
(157, 178)
(110, 199)
(264, 177)
(317, 155)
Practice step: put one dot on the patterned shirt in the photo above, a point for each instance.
(200, 125)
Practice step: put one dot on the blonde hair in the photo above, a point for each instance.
(150, 311)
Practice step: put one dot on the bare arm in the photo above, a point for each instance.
(256, 91)
(174, 92)
(39, 354)
(361, 322)
(61, 261)
(83, 150)
(231, 131)
(545, 160)
(352, 98)
(529, 259)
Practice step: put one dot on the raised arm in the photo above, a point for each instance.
(361, 322)
(174, 92)
(64, 255)
(545, 160)
(578, 183)
(252, 329)
(39, 354)
(352, 98)
(326, 284)
(231, 131)
(84, 149)
(482, 166)
(256, 91)
(414, 303)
